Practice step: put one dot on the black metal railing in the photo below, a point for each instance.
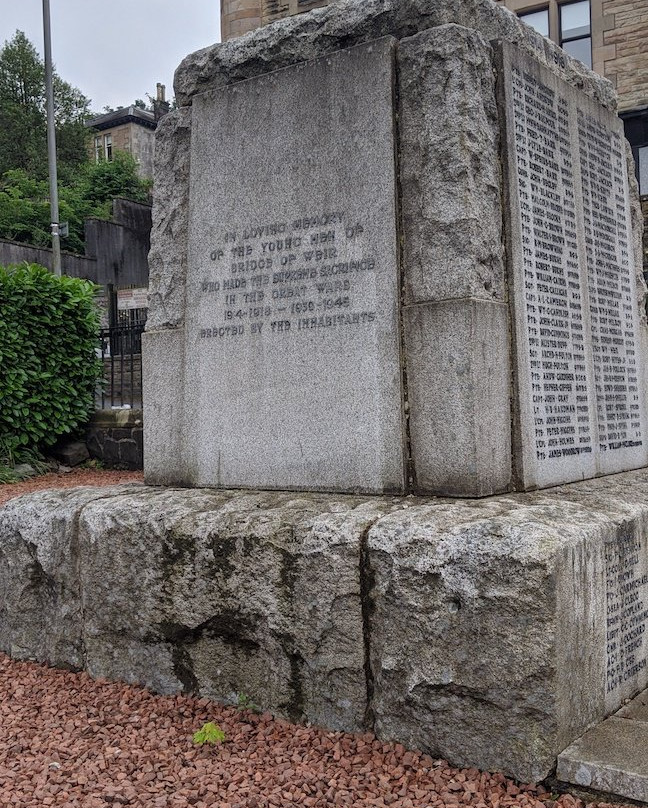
(120, 350)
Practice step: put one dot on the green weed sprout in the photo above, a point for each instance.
(209, 733)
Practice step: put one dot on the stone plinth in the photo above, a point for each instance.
(491, 632)
(611, 757)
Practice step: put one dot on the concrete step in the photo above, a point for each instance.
(613, 756)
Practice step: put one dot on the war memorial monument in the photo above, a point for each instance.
(395, 402)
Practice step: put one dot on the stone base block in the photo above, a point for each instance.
(459, 449)
(216, 593)
(491, 632)
(162, 378)
(611, 757)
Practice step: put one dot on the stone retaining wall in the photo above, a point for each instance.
(480, 631)
(76, 266)
(115, 438)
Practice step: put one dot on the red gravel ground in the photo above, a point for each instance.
(71, 479)
(66, 740)
(71, 742)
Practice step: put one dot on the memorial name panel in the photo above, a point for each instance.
(552, 311)
(292, 335)
(626, 576)
(580, 406)
(611, 293)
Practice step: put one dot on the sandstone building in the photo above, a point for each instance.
(129, 129)
(240, 16)
(608, 35)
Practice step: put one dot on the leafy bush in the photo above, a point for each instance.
(48, 365)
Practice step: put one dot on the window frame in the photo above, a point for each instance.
(554, 10)
(562, 40)
(540, 9)
(635, 123)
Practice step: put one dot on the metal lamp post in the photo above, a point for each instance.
(51, 142)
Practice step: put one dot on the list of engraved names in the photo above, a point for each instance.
(626, 609)
(577, 271)
(552, 282)
(288, 277)
(611, 301)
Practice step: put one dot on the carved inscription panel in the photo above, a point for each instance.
(292, 336)
(306, 274)
(626, 578)
(576, 326)
(611, 293)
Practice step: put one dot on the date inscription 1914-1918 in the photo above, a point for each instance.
(288, 277)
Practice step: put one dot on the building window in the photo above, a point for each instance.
(98, 151)
(108, 147)
(537, 19)
(576, 30)
(636, 131)
(642, 161)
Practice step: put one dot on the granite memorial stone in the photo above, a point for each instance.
(292, 334)
(490, 632)
(338, 308)
(580, 386)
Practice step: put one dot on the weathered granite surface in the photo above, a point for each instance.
(298, 39)
(475, 630)
(455, 318)
(349, 22)
(40, 598)
(214, 397)
(216, 593)
(611, 757)
(458, 393)
(163, 375)
(168, 255)
(449, 146)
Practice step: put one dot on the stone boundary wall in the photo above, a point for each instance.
(115, 438)
(348, 612)
(76, 266)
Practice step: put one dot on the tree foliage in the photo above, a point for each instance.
(24, 201)
(85, 188)
(23, 115)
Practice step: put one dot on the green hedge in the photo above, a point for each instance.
(49, 329)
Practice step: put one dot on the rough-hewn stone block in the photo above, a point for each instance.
(491, 632)
(450, 167)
